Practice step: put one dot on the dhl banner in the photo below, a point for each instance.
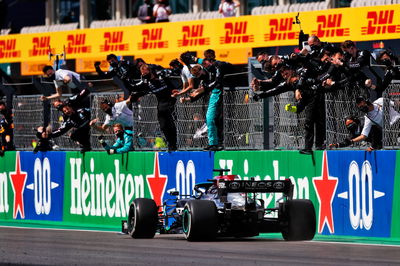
(233, 36)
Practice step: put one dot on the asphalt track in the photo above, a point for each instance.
(62, 247)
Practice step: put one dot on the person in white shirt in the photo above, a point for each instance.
(373, 123)
(62, 78)
(187, 78)
(228, 8)
(161, 11)
(116, 113)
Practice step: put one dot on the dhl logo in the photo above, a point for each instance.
(281, 29)
(224, 55)
(76, 44)
(159, 59)
(236, 33)
(152, 39)
(380, 23)
(40, 46)
(7, 49)
(113, 42)
(330, 26)
(35, 68)
(193, 36)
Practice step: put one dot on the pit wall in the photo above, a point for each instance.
(355, 193)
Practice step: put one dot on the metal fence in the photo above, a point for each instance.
(339, 105)
(391, 118)
(243, 122)
(288, 127)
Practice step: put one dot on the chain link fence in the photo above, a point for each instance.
(391, 116)
(28, 115)
(191, 124)
(339, 105)
(288, 126)
(242, 122)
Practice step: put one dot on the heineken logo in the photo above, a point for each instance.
(102, 194)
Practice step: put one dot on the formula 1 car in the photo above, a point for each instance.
(225, 206)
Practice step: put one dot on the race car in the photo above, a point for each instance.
(225, 206)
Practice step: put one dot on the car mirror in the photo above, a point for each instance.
(174, 193)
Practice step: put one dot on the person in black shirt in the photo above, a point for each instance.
(44, 143)
(160, 86)
(6, 128)
(358, 63)
(392, 71)
(122, 69)
(79, 120)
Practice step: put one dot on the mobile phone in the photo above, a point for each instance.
(306, 46)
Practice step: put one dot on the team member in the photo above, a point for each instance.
(123, 70)
(187, 77)
(79, 120)
(116, 113)
(211, 80)
(44, 143)
(76, 101)
(123, 143)
(151, 83)
(373, 123)
(6, 128)
(62, 78)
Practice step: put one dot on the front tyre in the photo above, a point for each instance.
(199, 220)
(143, 218)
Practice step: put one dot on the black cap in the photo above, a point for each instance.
(361, 98)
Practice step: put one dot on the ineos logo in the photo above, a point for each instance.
(234, 185)
(279, 185)
(42, 186)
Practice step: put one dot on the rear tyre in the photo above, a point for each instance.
(143, 218)
(199, 220)
(299, 220)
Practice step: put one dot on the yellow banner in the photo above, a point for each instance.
(33, 68)
(160, 42)
(87, 64)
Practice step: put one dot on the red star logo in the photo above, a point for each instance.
(18, 180)
(325, 186)
(157, 182)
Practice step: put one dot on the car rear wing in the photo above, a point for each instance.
(253, 186)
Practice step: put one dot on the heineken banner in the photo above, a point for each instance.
(355, 193)
(352, 191)
(94, 188)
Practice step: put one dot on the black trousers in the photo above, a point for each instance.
(82, 135)
(315, 121)
(166, 119)
(375, 137)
